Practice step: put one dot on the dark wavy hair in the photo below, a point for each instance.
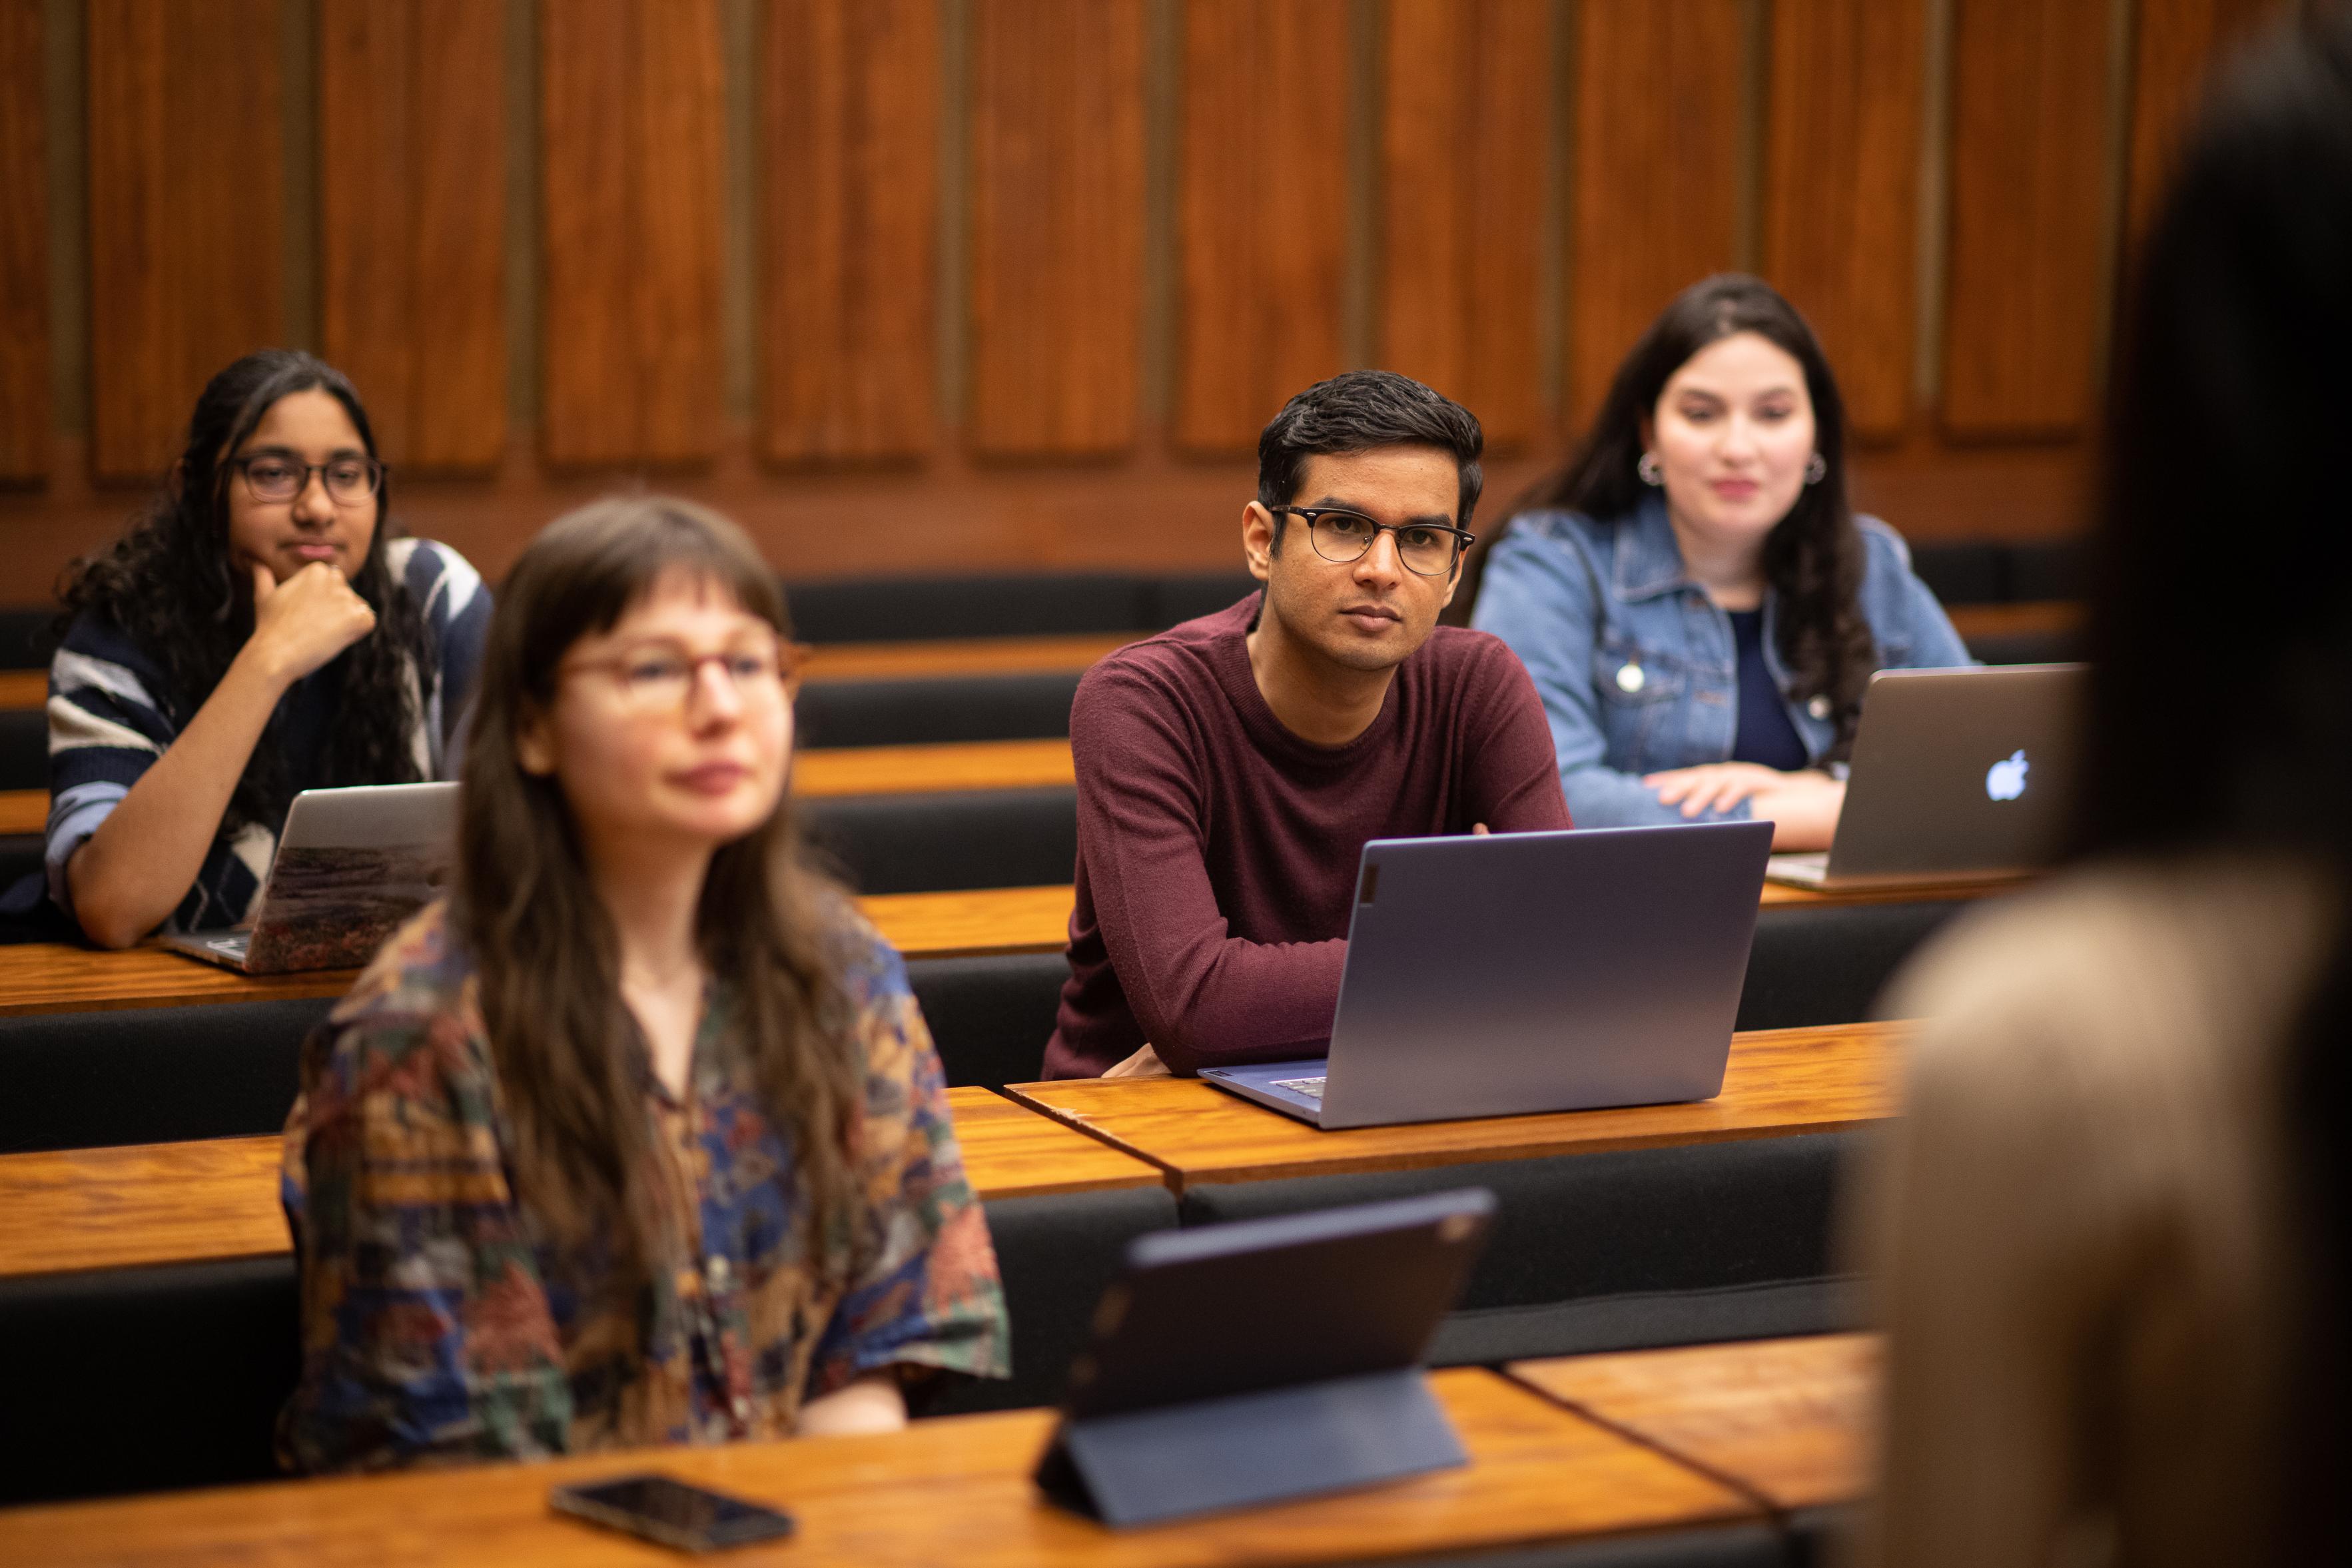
(2231, 403)
(1812, 557)
(547, 954)
(169, 584)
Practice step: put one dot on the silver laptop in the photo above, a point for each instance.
(1525, 971)
(1959, 775)
(351, 864)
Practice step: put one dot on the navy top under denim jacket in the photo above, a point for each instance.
(1635, 664)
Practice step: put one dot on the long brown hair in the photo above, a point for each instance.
(569, 1063)
(1813, 558)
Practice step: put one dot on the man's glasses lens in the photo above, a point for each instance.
(1345, 536)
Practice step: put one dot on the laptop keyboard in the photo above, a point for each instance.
(1312, 1087)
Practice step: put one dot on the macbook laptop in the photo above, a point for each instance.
(1494, 975)
(351, 864)
(1959, 775)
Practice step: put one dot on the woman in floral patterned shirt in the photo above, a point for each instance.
(640, 1137)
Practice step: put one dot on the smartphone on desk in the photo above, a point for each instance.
(672, 1513)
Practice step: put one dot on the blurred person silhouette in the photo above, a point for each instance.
(2109, 1230)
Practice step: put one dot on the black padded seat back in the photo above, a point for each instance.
(1817, 964)
(990, 1017)
(25, 748)
(2026, 647)
(1963, 573)
(1027, 705)
(1178, 599)
(2050, 569)
(918, 609)
(1056, 1254)
(28, 637)
(1724, 1240)
(153, 1075)
(124, 1380)
(950, 841)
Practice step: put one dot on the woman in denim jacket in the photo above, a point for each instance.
(1700, 606)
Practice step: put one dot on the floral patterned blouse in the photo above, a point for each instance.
(440, 1324)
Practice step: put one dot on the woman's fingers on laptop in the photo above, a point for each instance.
(1713, 786)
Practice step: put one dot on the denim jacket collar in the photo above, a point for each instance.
(1649, 561)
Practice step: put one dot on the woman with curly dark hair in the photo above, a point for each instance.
(258, 632)
(1697, 603)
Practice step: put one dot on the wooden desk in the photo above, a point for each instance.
(1786, 1420)
(217, 1199)
(24, 689)
(972, 656)
(23, 811)
(1779, 1082)
(951, 1490)
(59, 977)
(822, 772)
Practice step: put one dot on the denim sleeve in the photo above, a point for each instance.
(1539, 596)
(1910, 626)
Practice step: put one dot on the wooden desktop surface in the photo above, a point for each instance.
(217, 1199)
(1779, 1082)
(1789, 1420)
(21, 689)
(950, 1490)
(961, 656)
(824, 772)
(23, 811)
(59, 977)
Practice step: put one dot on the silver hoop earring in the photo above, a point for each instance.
(1648, 468)
(1817, 470)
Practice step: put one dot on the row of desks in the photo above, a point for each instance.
(1725, 1436)
(53, 977)
(1008, 655)
(217, 1199)
(817, 774)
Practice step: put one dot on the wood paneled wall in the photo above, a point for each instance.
(632, 227)
(950, 284)
(23, 248)
(412, 223)
(187, 213)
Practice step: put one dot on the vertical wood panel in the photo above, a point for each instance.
(412, 212)
(1656, 171)
(1262, 212)
(1056, 183)
(2177, 43)
(678, 225)
(23, 248)
(1842, 186)
(849, 194)
(186, 212)
(1465, 135)
(2029, 173)
(631, 129)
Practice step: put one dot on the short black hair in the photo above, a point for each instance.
(1356, 412)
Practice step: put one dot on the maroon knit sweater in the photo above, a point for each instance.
(1217, 851)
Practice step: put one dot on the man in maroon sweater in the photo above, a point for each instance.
(1230, 770)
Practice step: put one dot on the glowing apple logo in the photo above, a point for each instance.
(2005, 780)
